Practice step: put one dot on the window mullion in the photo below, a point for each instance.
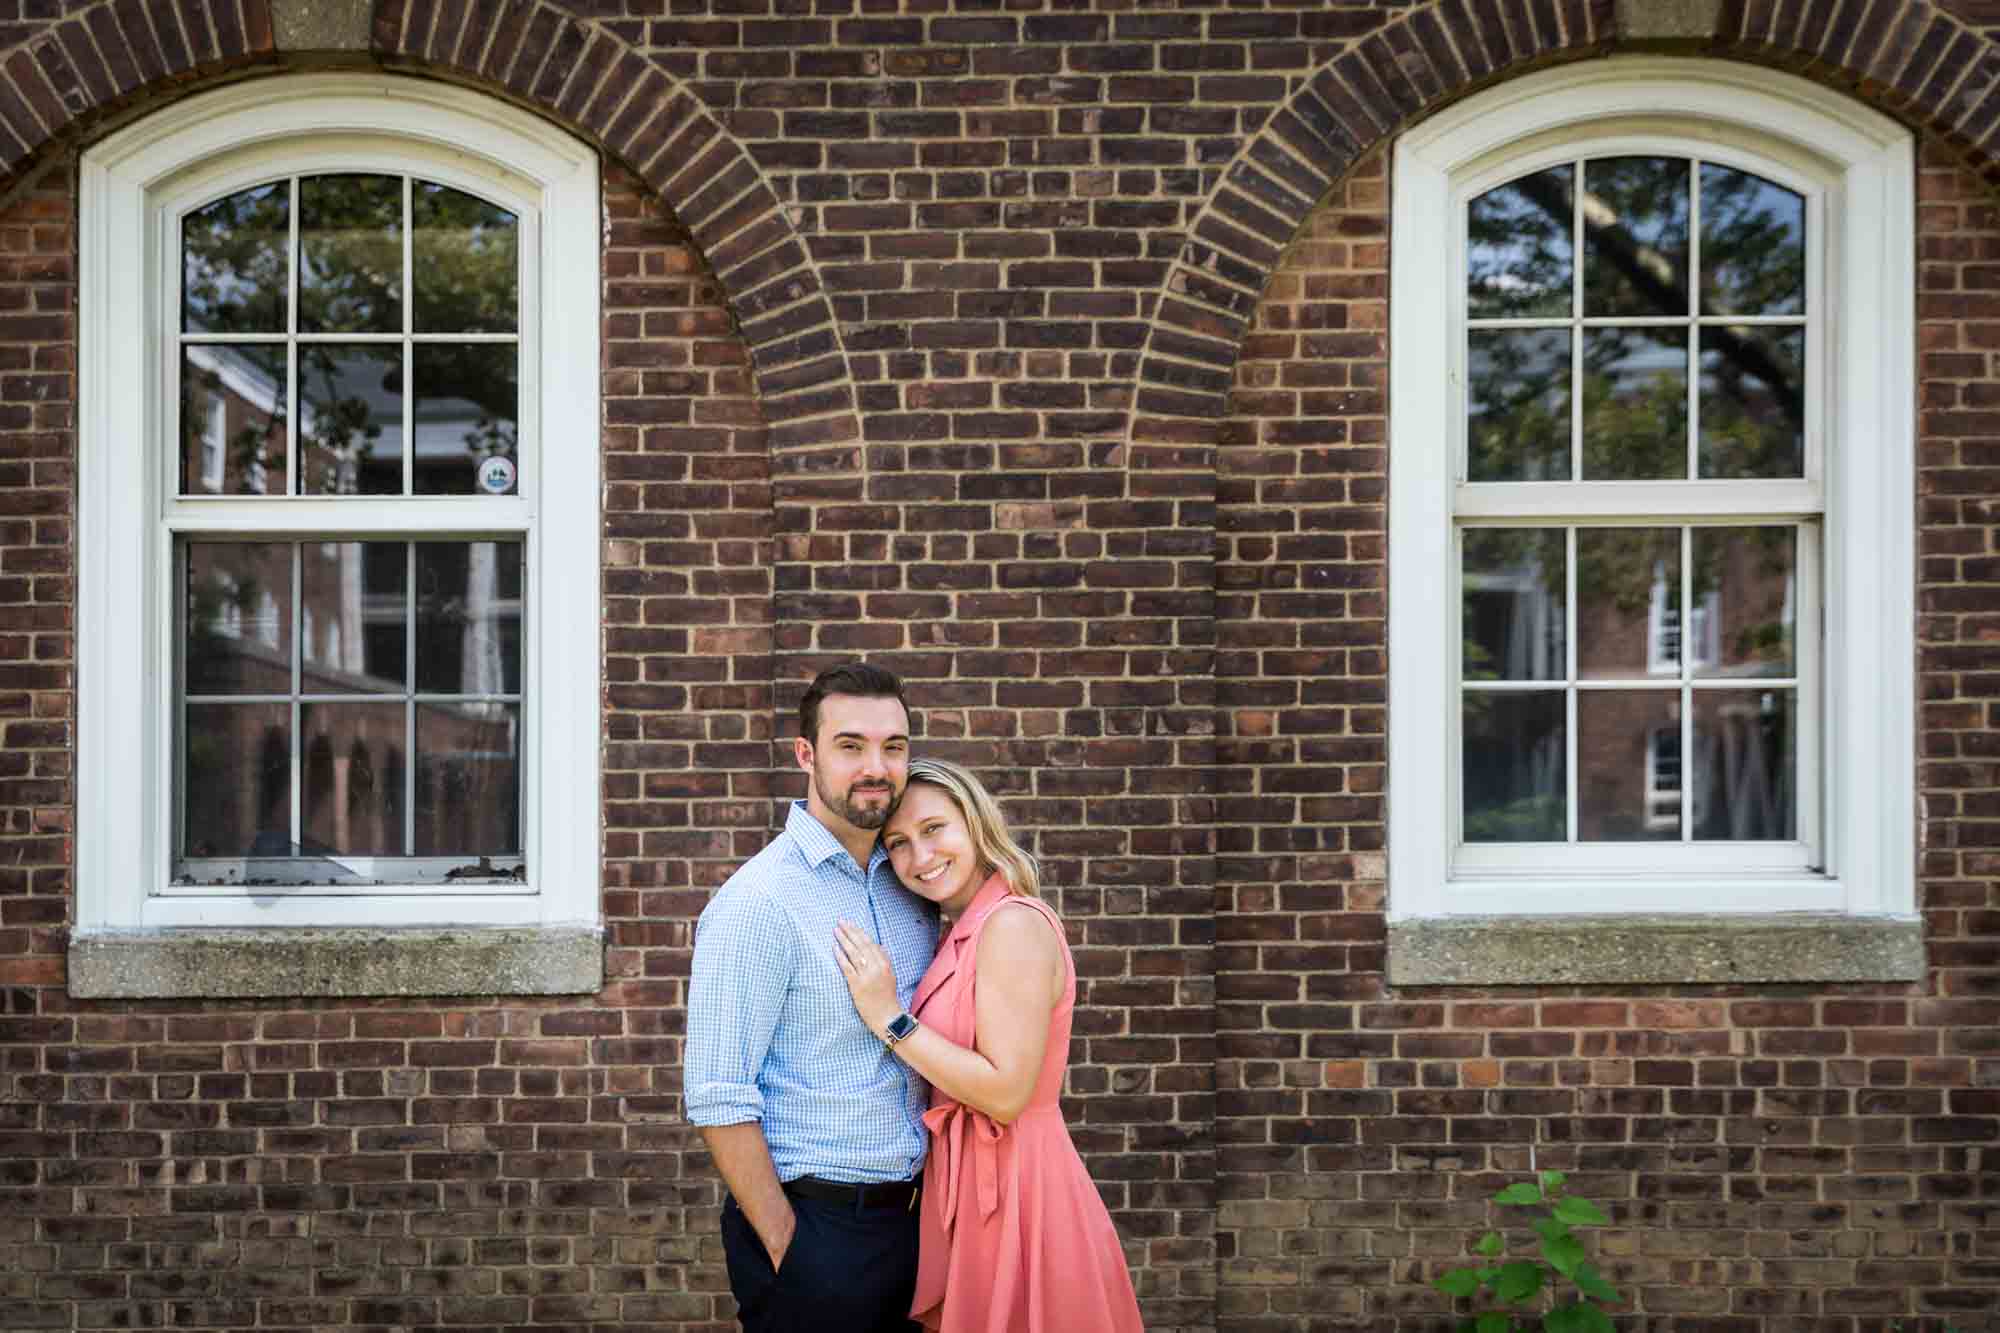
(1694, 330)
(1572, 790)
(294, 455)
(1686, 686)
(298, 741)
(409, 698)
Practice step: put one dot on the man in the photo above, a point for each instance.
(816, 1127)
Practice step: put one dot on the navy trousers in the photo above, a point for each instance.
(848, 1268)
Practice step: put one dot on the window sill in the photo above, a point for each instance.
(1653, 949)
(254, 963)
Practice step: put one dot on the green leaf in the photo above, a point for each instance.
(1489, 1244)
(1519, 1193)
(1494, 1322)
(1552, 1180)
(1564, 1256)
(1518, 1281)
(1551, 1230)
(1562, 1319)
(1580, 1212)
(1590, 1319)
(1458, 1282)
(1592, 1285)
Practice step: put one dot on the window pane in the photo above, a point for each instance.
(1745, 592)
(351, 261)
(1635, 404)
(236, 780)
(344, 800)
(1513, 596)
(1519, 255)
(468, 627)
(1628, 597)
(351, 432)
(1635, 226)
(1627, 765)
(1515, 783)
(239, 618)
(1753, 245)
(1753, 404)
(354, 593)
(466, 258)
(465, 413)
(468, 779)
(1744, 764)
(234, 265)
(1517, 405)
(232, 419)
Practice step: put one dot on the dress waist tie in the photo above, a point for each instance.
(957, 1129)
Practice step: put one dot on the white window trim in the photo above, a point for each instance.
(125, 602)
(1865, 164)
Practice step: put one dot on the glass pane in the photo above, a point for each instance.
(1519, 254)
(468, 779)
(1744, 765)
(1635, 229)
(1753, 402)
(351, 431)
(465, 255)
(355, 602)
(1515, 783)
(234, 266)
(1628, 601)
(466, 407)
(469, 617)
(345, 801)
(1517, 405)
(1628, 756)
(1753, 245)
(239, 618)
(1745, 599)
(351, 260)
(1512, 587)
(237, 780)
(232, 419)
(1635, 404)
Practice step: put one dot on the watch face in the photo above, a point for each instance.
(901, 1026)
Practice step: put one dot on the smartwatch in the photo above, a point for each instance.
(901, 1026)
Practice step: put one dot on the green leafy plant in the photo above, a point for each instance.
(1528, 1283)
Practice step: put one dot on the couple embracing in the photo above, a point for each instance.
(881, 1102)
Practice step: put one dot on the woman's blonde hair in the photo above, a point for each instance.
(988, 827)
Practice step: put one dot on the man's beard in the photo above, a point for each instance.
(855, 813)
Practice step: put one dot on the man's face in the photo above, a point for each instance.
(859, 761)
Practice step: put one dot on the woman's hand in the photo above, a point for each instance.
(871, 980)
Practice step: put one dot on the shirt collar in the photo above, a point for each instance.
(816, 840)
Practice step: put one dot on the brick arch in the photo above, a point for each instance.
(107, 56)
(1915, 62)
(587, 78)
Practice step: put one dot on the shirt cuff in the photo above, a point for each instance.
(716, 1104)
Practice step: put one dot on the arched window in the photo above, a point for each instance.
(1651, 478)
(386, 293)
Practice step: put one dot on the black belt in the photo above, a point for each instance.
(889, 1194)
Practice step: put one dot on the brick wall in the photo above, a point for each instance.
(1039, 353)
(1773, 1158)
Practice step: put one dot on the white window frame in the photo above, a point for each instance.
(134, 186)
(1857, 850)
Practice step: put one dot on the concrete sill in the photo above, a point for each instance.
(1653, 950)
(261, 963)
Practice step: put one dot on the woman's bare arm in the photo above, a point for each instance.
(1020, 976)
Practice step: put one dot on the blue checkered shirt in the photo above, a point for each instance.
(772, 1033)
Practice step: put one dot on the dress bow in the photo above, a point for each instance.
(951, 1124)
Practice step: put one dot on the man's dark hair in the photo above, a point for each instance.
(857, 678)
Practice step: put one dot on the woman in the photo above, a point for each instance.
(1014, 1235)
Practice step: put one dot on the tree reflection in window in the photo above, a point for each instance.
(406, 370)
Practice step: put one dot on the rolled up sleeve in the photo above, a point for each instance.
(743, 959)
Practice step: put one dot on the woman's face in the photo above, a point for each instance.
(931, 848)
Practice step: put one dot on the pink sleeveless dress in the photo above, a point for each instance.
(1015, 1238)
